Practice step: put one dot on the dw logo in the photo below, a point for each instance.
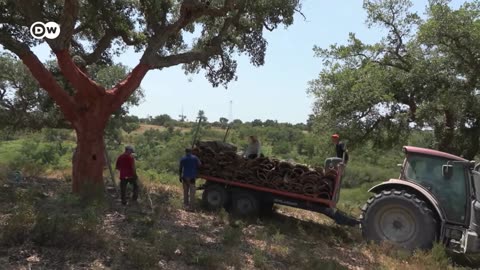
(40, 30)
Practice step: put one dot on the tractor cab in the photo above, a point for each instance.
(434, 199)
(444, 176)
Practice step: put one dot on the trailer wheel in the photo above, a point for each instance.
(214, 197)
(400, 218)
(266, 208)
(245, 204)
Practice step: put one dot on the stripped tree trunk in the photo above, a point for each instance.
(88, 111)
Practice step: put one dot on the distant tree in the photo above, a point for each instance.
(132, 119)
(270, 123)
(201, 115)
(301, 126)
(161, 120)
(129, 127)
(237, 122)
(310, 121)
(182, 117)
(257, 123)
(223, 120)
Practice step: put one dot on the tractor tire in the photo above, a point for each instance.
(214, 197)
(400, 218)
(245, 204)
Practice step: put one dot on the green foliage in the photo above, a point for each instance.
(21, 222)
(131, 126)
(260, 259)
(421, 75)
(61, 222)
(232, 235)
(34, 157)
(139, 256)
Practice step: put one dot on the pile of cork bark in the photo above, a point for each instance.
(221, 160)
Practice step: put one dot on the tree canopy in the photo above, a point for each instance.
(423, 74)
(198, 34)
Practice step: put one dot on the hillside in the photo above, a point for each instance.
(158, 234)
(44, 227)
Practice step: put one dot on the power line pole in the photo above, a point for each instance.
(230, 115)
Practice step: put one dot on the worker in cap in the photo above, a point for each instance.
(128, 174)
(189, 165)
(254, 149)
(340, 148)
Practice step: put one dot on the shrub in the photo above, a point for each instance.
(139, 256)
(69, 222)
(18, 227)
(57, 135)
(34, 158)
(232, 236)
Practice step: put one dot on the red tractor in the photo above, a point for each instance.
(434, 199)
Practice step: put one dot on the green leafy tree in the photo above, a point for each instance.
(257, 123)
(223, 122)
(408, 81)
(161, 120)
(201, 116)
(96, 30)
(129, 127)
(270, 123)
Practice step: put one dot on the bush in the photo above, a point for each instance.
(139, 256)
(18, 227)
(62, 222)
(357, 174)
(34, 158)
(57, 135)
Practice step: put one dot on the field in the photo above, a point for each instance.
(44, 227)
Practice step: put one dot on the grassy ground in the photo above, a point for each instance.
(44, 227)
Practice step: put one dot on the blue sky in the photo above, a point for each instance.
(276, 90)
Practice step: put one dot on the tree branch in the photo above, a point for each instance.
(102, 45)
(69, 17)
(159, 62)
(120, 92)
(79, 80)
(42, 75)
(49, 84)
(189, 12)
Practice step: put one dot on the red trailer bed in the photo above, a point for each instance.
(330, 203)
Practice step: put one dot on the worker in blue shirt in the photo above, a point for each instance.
(188, 173)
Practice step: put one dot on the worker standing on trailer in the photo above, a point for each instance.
(188, 173)
(340, 148)
(128, 174)
(253, 149)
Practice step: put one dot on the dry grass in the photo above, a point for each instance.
(158, 234)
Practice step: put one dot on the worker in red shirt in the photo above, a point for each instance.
(126, 165)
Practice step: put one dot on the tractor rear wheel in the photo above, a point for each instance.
(400, 218)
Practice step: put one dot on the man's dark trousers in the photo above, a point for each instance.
(123, 188)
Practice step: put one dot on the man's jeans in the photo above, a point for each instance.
(123, 189)
(188, 191)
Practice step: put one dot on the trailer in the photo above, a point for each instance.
(244, 200)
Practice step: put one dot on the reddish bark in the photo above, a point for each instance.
(48, 82)
(89, 160)
(88, 111)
